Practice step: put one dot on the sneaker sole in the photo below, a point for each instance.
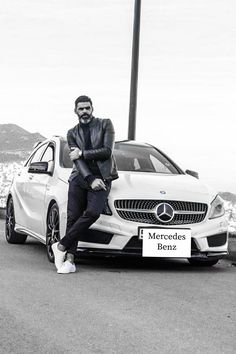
(72, 271)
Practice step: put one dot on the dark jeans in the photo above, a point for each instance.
(83, 209)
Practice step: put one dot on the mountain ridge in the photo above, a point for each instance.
(13, 137)
(16, 142)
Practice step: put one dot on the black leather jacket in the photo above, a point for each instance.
(102, 138)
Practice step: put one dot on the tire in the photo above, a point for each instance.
(53, 230)
(11, 235)
(202, 262)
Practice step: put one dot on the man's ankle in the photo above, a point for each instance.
(61, 247)
(70, 257)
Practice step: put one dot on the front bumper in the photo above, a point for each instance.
(111, 235)
(134, 248)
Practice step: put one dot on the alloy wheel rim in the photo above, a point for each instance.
(53, 232)
(10, 220)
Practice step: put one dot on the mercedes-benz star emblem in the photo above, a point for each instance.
(164, 212)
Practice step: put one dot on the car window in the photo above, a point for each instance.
(137, 158)
(159, 165)
(37, 155)
(141, 158)
(48, 154)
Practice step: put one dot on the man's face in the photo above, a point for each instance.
(84, 111)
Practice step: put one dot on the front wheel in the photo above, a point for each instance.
(11, 235)
(53, 230)
(203, 262)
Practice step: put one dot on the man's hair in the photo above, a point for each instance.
(83, 99)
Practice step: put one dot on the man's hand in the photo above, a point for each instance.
(98, 184)
(75, 154)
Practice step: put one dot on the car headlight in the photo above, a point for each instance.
(217, 208)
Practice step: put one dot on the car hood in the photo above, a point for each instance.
(138, 185)
(146, 185)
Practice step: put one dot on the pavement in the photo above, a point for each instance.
(232, 240)
(113, 306)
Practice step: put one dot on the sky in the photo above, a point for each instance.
(52, 51)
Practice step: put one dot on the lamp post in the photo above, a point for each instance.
(134, 71)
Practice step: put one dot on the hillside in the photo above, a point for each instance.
(16, 142)
(13, 137)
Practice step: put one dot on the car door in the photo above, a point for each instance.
(35, 190)
(20, 206)
(21, 179)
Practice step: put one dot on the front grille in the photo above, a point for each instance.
(144, 211)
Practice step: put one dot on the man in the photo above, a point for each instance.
(91, 144)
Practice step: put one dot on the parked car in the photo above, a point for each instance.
(154, 209)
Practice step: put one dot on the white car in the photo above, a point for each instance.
(154, 209)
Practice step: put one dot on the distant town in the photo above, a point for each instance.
(7, 173)
(16, 144)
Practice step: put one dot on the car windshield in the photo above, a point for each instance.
(141, 158)
(131, 157)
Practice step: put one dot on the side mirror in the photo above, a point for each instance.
(40, 167)
(192, 173)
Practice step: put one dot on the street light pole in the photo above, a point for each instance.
(134, 71)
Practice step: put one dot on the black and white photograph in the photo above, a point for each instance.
(117, 176)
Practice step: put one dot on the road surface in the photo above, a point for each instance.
(114, 305)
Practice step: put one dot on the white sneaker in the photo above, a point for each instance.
(66, 268)
(59, 256)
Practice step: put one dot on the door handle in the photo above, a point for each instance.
(31, 177)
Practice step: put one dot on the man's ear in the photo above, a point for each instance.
(75, 110)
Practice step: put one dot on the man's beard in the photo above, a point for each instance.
(85, 118)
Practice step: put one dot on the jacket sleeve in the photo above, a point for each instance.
(70, 139)
(80, 164)
(103, 153)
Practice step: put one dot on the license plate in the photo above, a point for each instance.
(158, 242)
